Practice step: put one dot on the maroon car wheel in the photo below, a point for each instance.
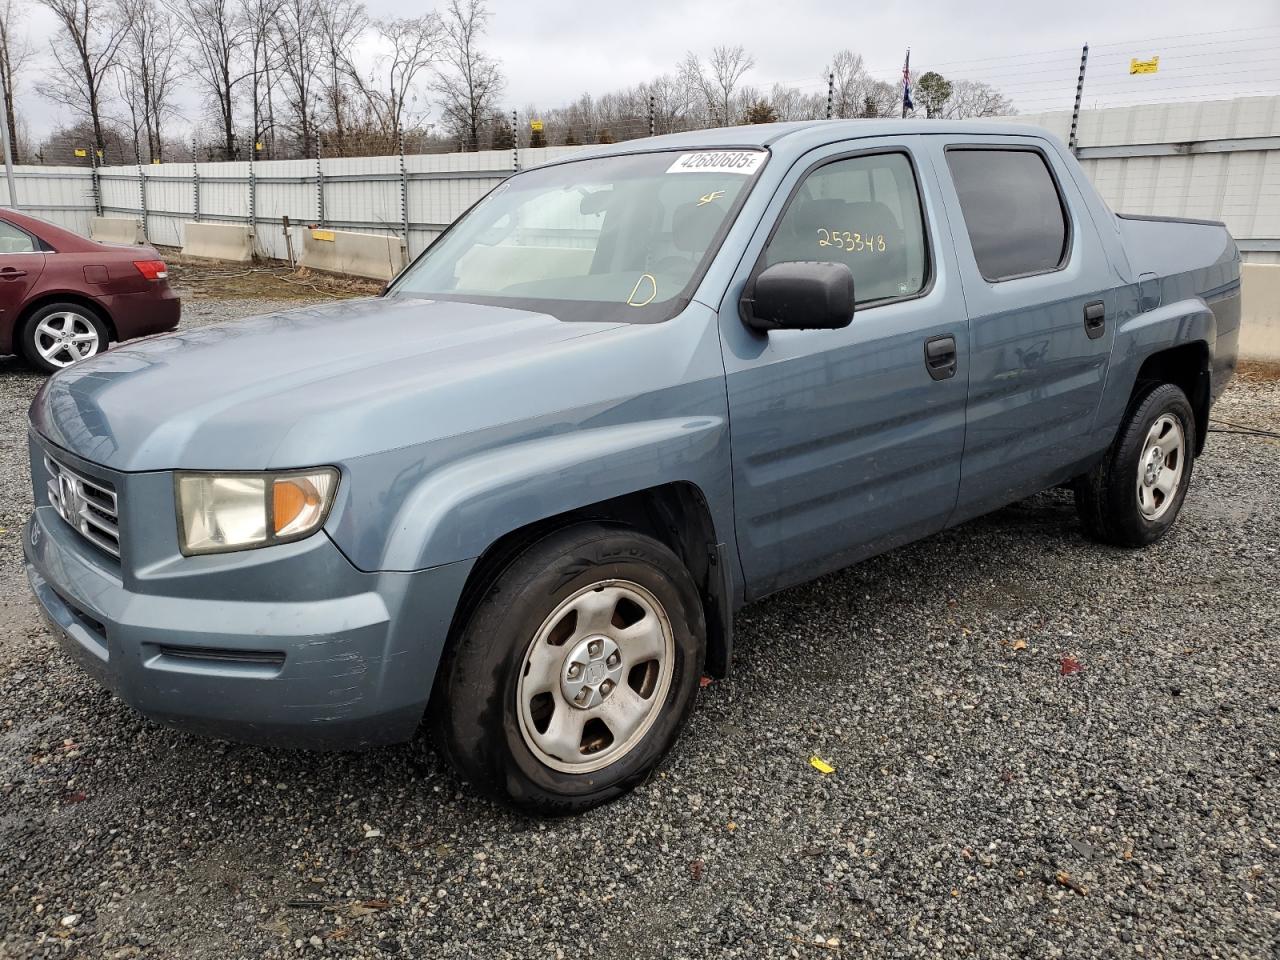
(60, 334)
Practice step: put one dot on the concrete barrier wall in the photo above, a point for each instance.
(371, 255)
(1260, 312)
(116, 230)
(218, 241)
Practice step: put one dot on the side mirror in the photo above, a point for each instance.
(802, 295)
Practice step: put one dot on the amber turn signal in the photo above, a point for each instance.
(297, 502)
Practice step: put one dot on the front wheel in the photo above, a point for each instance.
(1134, 495)
(60, 334)
(575, 671)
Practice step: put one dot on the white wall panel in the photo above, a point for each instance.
(1240, 186)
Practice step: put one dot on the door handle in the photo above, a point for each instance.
(940, 357)
(1095, 319)
(12, 273)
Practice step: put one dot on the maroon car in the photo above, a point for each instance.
(64, 298)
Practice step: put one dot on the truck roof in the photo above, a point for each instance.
(801, 135)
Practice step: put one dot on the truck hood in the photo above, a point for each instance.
(299, 388)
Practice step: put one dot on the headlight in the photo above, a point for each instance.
(218, 512)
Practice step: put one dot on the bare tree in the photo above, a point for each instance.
(468, 82)
(674, 102)
(973, 98)
(148, 67)
(85, 49)
(415, 44)
(298, 40)
(15, 51)
(259, 17)
(718, 81)
(791, 104)
(217, 31)
(855, 93)
(883, 100)
(340, 24)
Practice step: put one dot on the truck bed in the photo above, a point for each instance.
(1179, 258)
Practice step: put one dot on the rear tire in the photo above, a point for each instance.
(574, 672)
(60, 334)
(1134, 495)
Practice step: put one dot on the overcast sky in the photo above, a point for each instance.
(553, 50)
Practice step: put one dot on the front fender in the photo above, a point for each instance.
(456, 511)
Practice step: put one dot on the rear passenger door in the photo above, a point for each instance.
(21, 263)
(1038, 288)
(845, 443)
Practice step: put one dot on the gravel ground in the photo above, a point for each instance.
(987, 800)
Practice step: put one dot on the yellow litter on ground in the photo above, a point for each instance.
(821, 765)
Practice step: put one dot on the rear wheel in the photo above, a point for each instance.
(574, 672)
(1134, 495)
(60, 334)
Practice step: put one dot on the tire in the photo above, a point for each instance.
(40, 336)
(1134, 495)
(501, 713)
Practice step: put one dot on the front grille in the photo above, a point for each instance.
(89, 506)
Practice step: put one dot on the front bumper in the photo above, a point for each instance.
(345, 660)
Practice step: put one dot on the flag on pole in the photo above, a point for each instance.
(907, 105)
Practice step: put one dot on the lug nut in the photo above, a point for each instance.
(606, 686)
(575, 671)
(583, 696)
(594, 648)
(613, 659)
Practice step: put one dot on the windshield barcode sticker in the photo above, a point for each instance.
(745, 162)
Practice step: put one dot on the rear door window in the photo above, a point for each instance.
(1012, 210)
(13, 240)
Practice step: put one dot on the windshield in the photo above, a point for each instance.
(614, 238)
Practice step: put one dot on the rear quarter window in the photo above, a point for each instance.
(1012, 209)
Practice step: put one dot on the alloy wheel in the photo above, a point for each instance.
(66, 337)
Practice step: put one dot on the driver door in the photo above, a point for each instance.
(847, 442)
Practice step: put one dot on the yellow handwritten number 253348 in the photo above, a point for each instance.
(851, 242)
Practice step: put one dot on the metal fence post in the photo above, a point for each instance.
(319, 184)
(515, 141)
(95, 183)
(831, 94)
(404, 189)
(253, 204)
(652, 103)
(8, 153)
(142, 194)
(1075, 113)
(195, 181)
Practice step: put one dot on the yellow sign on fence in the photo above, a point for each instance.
(325, 235)
(81, 153)
(535, 126)
(1144, 66)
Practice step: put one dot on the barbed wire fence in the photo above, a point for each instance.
(369, 179)
(1223, 64)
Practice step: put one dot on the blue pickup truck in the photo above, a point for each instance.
(521, 495)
